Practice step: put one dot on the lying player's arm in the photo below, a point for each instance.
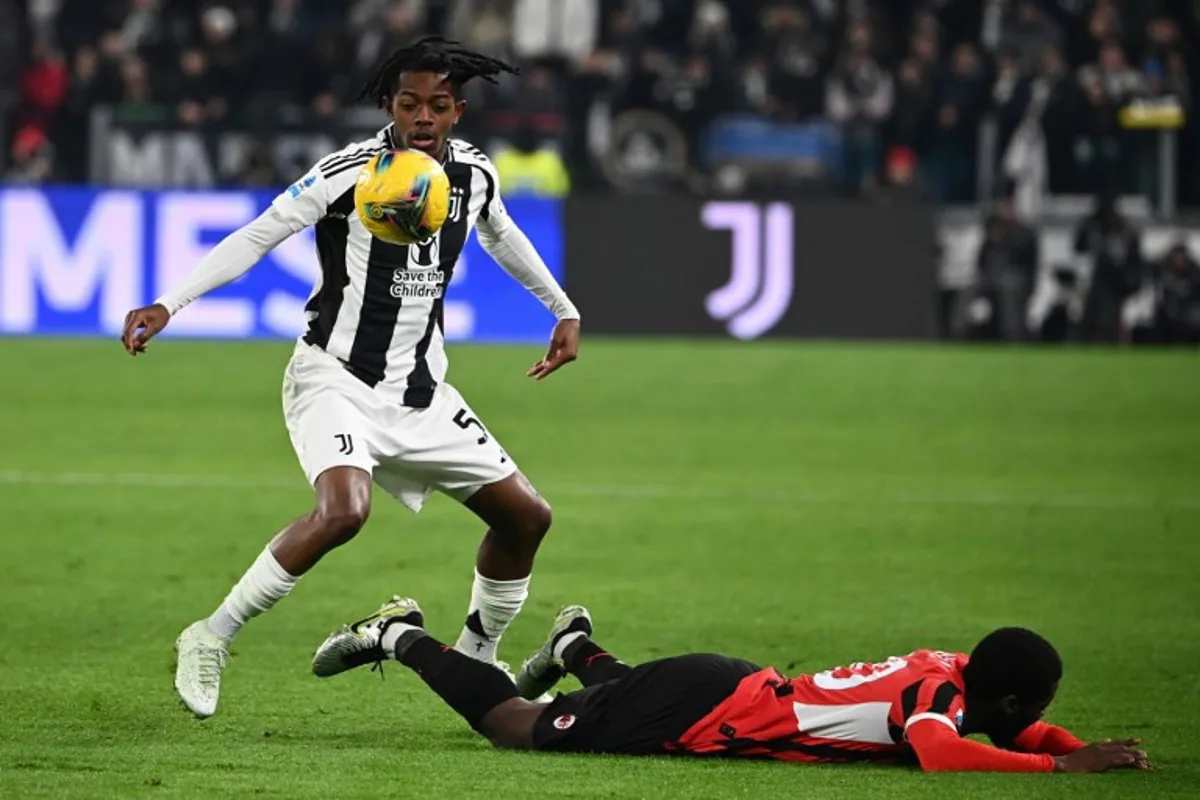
(1041, 737)
(229, 260)
(939, 748)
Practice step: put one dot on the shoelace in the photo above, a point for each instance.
(211, 662)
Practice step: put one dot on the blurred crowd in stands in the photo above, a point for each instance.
(891, 99)
(852, 95)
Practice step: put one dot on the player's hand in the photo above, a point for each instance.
(564, 348)
(1104, 755)
(142, 325)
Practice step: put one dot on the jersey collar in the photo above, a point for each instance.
(388, 135)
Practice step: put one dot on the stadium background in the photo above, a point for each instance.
(698, 173)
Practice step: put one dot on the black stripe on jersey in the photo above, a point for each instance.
(380, 308)
(908, 699)
(329, 162)
(943, 697)
(823, 751)
(467, 147)
(421, 384)
(451, 239)
(354, 163)
(332, 233)
(486, 211)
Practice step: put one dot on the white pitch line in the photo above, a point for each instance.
(17, 477)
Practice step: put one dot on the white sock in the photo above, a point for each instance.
(564, 641)
(496, 603)
(263, 585)
(392, 634)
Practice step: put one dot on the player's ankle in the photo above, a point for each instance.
(398, 636)
(563, 641)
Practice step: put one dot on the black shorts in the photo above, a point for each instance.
(639, 713)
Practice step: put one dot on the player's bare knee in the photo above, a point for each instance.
(534, 524)
(341, 522)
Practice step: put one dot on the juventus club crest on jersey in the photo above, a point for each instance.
(377, 306)
(456, 198)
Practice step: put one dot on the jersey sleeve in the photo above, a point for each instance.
(1041, 737)
(228, 261)
(327, 185)
(504, 241)
(940, 749)
(933, 710)
(493, 216)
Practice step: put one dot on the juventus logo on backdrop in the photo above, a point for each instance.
(345, 443)
(761, 275)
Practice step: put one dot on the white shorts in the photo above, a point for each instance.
(335, 420)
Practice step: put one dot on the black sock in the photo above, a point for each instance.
(470, 687)
(590, 663)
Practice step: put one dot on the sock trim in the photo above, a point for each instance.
(565, 640)
(273, 563)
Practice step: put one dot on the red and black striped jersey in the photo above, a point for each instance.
(858, 712)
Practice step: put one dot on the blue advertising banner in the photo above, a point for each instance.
(75, 261)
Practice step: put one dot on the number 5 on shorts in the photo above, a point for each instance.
(463, 421)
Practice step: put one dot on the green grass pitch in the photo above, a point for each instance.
(798, 505)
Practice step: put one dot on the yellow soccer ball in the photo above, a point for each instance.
(402, 196)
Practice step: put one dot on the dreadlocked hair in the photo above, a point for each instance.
(431, 54)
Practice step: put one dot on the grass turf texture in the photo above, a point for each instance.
(801, 506)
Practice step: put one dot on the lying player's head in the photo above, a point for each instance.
(420, 86)
(1010, 679)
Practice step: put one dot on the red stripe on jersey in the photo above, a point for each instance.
(853, 713)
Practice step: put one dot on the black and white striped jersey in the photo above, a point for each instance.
(377, 306)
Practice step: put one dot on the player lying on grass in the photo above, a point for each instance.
(911, 709)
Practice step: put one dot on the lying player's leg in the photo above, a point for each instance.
(447, 448)
(622, 709)
(643, 709)
(481, 694)
(568, 649)
(635, 712)
(331, 433)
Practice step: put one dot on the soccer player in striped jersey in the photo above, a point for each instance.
(364, 395)
(914, 709)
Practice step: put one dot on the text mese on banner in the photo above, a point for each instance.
(75, 261)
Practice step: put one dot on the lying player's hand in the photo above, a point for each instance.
(564, 348)
(1103, 756)
(142, 325)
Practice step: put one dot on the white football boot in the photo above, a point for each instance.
(358, 644)
(542, 670)
(201, 657)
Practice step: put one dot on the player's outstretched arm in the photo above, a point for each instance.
(225, 263)
(941, 749)
(504, 241)
(1042, 737)
(327, 186)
